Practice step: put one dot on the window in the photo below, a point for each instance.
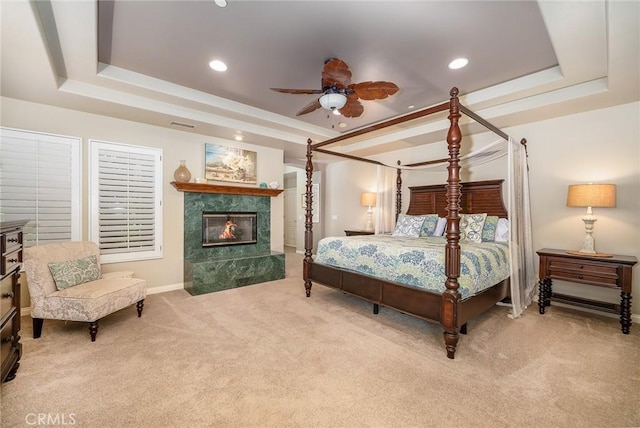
(125, 191)
(40, 181)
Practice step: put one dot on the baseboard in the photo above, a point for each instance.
(165, 288)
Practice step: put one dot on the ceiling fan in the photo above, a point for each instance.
(338, 93)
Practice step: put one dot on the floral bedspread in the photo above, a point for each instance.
(417, 262)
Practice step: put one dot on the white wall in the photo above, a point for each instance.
(176, 145)
(344, 182)
(601, 146)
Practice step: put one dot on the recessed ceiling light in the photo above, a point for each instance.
(411, 106)
(342, 125)
(238, 137)
(218, 65)
(458, 63)
(221, 3)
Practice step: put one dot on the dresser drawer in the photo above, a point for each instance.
(6, 296)
(9, 261)
(570, 270)
(6, 340)
(11, 241)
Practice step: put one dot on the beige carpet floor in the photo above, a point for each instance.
(267, 356)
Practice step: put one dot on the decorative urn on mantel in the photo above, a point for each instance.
(182, 173)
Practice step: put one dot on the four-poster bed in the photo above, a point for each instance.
(448, 307)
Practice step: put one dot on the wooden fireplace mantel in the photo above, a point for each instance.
(228, 190)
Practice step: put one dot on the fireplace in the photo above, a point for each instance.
(214, 264)
(228, 228)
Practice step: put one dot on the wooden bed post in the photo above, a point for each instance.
(451, 296)
(398, 191)
(308, 223)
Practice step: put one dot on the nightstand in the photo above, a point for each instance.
(359, 232)
(610, 272)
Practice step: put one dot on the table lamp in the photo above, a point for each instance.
(590, 196)
(368, 199)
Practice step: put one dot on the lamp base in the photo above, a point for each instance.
(582, 253)
(369, 226)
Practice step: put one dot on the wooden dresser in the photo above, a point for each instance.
(10, 263)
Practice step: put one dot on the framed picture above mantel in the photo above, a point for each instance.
(230, 164)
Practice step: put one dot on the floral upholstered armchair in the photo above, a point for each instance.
(66, 283)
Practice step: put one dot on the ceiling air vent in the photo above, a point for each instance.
(184, 125)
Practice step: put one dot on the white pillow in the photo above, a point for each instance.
(502, 230)
(440, 226)
(408, 225)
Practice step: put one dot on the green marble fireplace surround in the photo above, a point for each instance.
(209, 269)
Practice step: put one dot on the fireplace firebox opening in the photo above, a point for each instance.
(228, 228)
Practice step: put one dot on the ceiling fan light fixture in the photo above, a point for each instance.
(333, 101)
(458, 63)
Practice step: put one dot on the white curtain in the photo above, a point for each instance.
(385, 200)
(523, 279)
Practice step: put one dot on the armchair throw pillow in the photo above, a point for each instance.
(73, 272)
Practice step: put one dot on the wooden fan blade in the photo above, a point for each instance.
(353, 107)
(336, 72)
(298, 91)
(374, 90)
(312, 106)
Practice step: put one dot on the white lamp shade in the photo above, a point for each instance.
(333, 101)
(368, 198)
(592, 195)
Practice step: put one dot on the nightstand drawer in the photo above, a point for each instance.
(579, 271)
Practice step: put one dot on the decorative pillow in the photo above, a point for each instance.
(408, 225)
(489, 228)
(73, 272)
(429, 225)
(471, 227)
(440, 227)
(502, 230)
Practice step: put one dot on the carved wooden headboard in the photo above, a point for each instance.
(477, 197)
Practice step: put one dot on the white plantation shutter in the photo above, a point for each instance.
(40, 181)
(126, 205)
